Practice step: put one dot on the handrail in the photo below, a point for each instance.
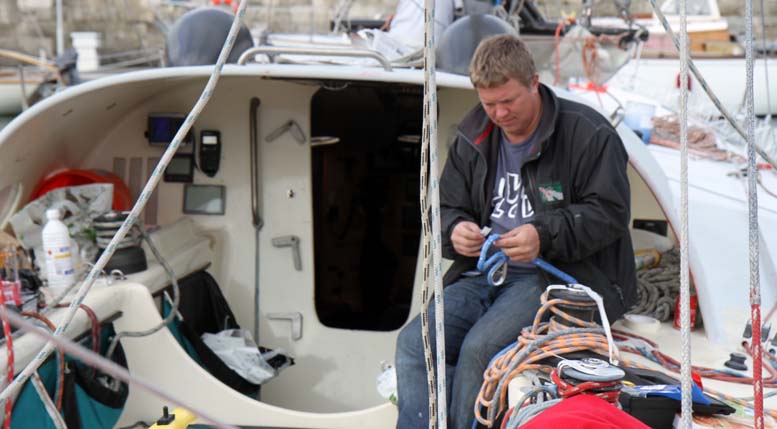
(24, 58)
(311, 51)
(28, 59)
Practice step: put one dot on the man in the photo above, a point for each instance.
(406, 24)
(549, 176)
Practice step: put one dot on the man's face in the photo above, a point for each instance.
(512, 106)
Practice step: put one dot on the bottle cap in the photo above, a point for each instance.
(53, 214)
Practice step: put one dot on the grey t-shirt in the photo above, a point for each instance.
(510, 206)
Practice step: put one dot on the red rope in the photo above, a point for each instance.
(10, 362)
(95, 332)
(565, 389)
(758, 388)
(507, 417)
(673, 365)
(556, 40)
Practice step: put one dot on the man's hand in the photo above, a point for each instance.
(466, 239)
(521, 244)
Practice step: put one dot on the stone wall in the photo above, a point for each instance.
(29, 25)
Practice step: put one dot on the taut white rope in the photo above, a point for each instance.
(685, 284)
(766, 64)
(753, 233)
(432, 242)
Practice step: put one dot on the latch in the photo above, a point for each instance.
(294, 318)
(293, 242)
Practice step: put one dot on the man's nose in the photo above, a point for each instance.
(500, 112)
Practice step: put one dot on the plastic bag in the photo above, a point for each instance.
(79, 204)
(236, 347)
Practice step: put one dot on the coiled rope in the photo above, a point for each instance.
(539, 341)
(140, 204)
(658, 287)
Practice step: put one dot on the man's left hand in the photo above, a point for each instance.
(522, 244)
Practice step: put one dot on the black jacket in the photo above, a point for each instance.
(575, 178)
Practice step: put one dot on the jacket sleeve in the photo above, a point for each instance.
(599, 211)
(455, 195)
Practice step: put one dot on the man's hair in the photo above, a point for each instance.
(499, 59)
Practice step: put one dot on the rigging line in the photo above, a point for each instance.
(766, 65)
(173, 308)
(109, 367)
(703, 83)
(432, 242)
(753, 239)
(685, 283)
(48, 404)
(140, 204)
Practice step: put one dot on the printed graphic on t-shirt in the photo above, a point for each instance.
(510, 200)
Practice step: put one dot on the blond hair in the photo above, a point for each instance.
(500, 58)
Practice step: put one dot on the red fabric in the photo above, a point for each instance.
(584, 412)
(484, 134)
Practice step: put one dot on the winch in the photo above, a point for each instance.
(129, 256)
(588, 376)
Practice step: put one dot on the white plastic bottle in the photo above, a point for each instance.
(387, 382)
(59, 256)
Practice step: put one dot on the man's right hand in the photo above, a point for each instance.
(466, 238)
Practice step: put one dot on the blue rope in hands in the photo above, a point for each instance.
(495, 265)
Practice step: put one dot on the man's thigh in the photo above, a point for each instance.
(463, 307)
(513, 309)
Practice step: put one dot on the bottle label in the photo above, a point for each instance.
(11, 292)
(59, 261)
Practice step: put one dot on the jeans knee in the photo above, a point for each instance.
(408, 342)
(475, 352)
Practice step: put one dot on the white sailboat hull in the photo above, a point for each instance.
(657, 79)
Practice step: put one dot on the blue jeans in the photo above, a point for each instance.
(480, 320)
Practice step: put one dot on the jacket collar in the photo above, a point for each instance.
(476, 127)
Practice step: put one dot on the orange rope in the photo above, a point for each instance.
(557, 41)
(500, 367)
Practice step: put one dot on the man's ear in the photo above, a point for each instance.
(535, 82)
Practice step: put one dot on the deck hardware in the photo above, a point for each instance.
(272, 51)
(296, 322)
(323, 141)
(290, 193)
(737, 361)
(117, 275)
(293, 242)
(292, 127)
(256, 218)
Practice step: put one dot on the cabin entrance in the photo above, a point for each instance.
(366, 220)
